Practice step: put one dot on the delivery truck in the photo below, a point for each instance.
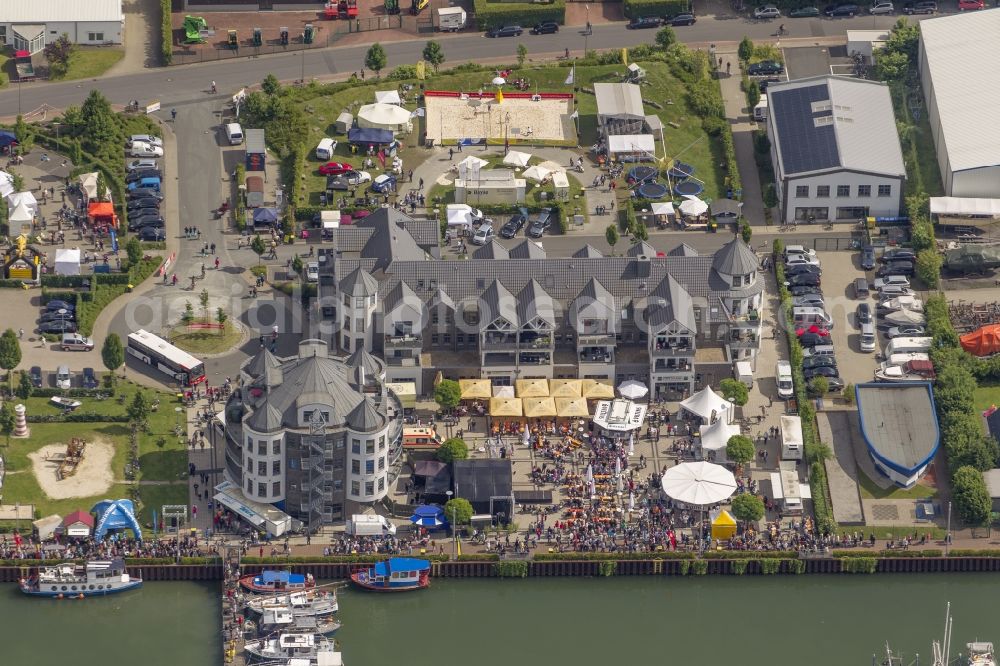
(369, 525)
(451, 19)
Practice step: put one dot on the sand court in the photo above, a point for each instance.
(522, 117)
(93, 475)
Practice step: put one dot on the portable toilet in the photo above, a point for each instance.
(345, 121)
(283, 34)
(308, 34)
(234, 42)
(257, 38)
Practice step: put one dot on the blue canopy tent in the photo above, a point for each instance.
(369, 135)
(265, 217)
(428, 515)
(7, 138)
(115, 515)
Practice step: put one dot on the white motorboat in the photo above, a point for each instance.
(288, 646)
(65, 403)
(910, 371)
(981, 654)
(95, 578)
(313, 603)
(276, 620)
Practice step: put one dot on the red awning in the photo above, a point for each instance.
(101, 209)
(78, 517)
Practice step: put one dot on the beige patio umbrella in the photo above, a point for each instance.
(595, 390)
(572, 407)
(565, 388)
(537, 408)
(505, 407)
(532, 388)
(475, 389)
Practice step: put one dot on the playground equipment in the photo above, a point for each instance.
(391, 6)
(342, 9)
(417, 6)
(257, 37)
(72, 459)
(308, 34)
(284, 35)
(233, 42)
(195, 28)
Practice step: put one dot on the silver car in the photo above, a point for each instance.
(766, 12)
(882, 8)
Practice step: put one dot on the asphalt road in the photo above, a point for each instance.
(182, 85)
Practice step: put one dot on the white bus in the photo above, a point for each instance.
(166, 358)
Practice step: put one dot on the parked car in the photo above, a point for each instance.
(803, 12)
(145, 163)
(143, 202)
(334, 169)
(897, 280)
(834, 384)
(312, 271)
(821, 371)
(813, 339)
(154, 220)
(803, 269)
(483, 235)
(922, 7)
(139, 149)
(867, 257)
(898, 254)
(384, 183)
(144, 193)
(909, 331)
(683, 19)
(505, 31)
(36, 376)
(819, 362)
(764, 84)
(540, 223)
(808, 301)
(791, 250)
(641, 22)
(896, 268)
(881, 8)
(765, 68)
(58, 326)
(56, 304)
(766, 12)
(801, 259)
(804, 280)
(58, 315)
(893, 290)
(64, 378)
(89, 378)
(545, 28)
(863, 314)
(139, 174)
(512, 226)
(970, 5)
(146, 138)
(804, 290)
(842, 10)
(358, 177)
(152, 234)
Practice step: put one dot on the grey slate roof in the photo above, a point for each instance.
(441, 297)
(527, 249)
(266, 418)
(401, 293)
(359, 283)
(534, 303)
(491, 250)
(671, 302)
(390, 241)
(351, 238)
(497, 302)
(683, 250)
(260, 363)
(366, 417)
(641, 248)
(735, 258)
(362, 358)
(832, 123)
(588, 251)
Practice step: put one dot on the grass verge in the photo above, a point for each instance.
(89, 62)
(205, 341)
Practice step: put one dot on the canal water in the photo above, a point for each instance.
(751, 621)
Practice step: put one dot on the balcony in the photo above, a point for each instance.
(669, 349)
(530, 341)
(502, 360)
(596, 355)
(534, 359)
(744, 342)
(672, 367)
(404, 341)
(598, 339)
(403, 361)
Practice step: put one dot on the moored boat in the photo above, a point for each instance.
(270, 581)
(981, 654)
(288, 646)
(96, 578)
(397, 574)
(313, 603)
(283, 620)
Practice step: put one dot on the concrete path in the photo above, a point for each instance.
(142, 38)
(836, 429)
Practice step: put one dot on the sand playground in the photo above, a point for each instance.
(93, 475)
(523, 118)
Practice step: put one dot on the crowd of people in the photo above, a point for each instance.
(24, 547)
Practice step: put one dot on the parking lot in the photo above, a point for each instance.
(839, 271)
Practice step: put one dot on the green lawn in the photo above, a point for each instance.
(89, 62)
(871, 490)
(206, 341)
(162, 455)
(922, 172)
(986, 396)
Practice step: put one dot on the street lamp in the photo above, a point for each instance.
(454, 533)
(586, 33)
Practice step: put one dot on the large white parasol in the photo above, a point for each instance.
(699, 483)
(516, 158)
(693, 207)
(632, 389)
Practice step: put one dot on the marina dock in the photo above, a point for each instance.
(232, 612)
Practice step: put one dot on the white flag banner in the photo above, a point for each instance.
(572, 76)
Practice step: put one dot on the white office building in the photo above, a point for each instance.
(28, 25)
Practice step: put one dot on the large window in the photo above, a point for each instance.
(95, 36)
(802, 191)
(822, 191)
(355, 467)
(843, 190)
(815, 213)
(355, 488)
(369, 488)
(369, 467)
(885, 190)
(276, 488)
(852, 212)
(864, 191)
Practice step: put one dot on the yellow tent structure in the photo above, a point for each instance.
(595, 390)
(565, 388)
(505, 407)
(536, 408)
(723, 525)
(475, 389)
(572, 407)
(532, 388)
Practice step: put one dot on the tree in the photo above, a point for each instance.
(447, 394)
(434, 54)
(740, 450)
(972, 500)
(99, 123)
(452, 450)
(103, 193)
(113, 353)
(665, 38)
(258, 247)
(753, 96)
(10, 353)
(818, 451)
(188, 315)
(891, 66)
(133, 248)
(734, 391)
(270, 85)
(58, 53)
(522, 55)
(24, 134)
(8, 419)
(297, 264)
(929, 267)
(458, 510)
(221, 317)
(16, 181)
(748, 508)
(139, 409)
(818, 387)
(611, 235)
(375, 58)
(640, 232)
(745, 50)
(770, 196)
(24, 387)
(746, 231)
(203, 299)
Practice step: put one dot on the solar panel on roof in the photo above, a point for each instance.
(805, 145)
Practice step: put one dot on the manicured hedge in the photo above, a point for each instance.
(750, 554)
(668, 8)
(167, 32)
(525, 14)
(576, 557)
(894, 553)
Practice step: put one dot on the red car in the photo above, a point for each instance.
(966, 5)
(335, 168)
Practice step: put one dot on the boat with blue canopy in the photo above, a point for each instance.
(270, 581)
(397, 574)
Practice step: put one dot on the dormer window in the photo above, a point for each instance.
(737, 281)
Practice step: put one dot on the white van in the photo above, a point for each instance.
(760, 111)
(908, 345)
(234, 132)
(791, 438)
(368, 525)
(808, 316)
(783, 375)
(324, 151)
(818, 350)
(868, 341)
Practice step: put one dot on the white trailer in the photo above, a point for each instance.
(368, 525)
(451, 19)
(791, 438)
